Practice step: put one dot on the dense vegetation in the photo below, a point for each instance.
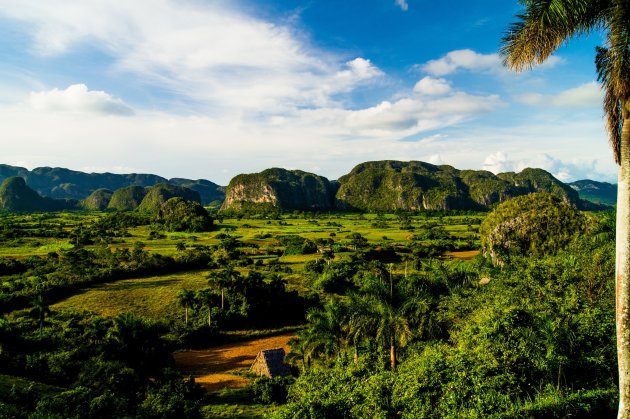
(394, 324)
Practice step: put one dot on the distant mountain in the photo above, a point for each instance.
(56, 182)
(597, 192)
(15, 195)
(282, 189)
(371, 186)
(393, 185)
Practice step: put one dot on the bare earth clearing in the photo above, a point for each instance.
(463, 254)
(216, 368)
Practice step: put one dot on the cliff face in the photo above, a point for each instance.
(280, 188)
(414, 185)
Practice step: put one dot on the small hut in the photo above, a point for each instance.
(270, 363)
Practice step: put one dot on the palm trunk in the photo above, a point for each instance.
(209, 316)
(221, 298)
(186, 316)
(622, 274)
(392, 355)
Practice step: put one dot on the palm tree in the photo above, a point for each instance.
(186, 299)
(223, 279)
(325, 333)
(40, 310)
(544, 26)
(206, 297)
(374, 317)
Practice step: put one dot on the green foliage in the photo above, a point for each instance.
(178, 214)
(271, 390)
(536, 225)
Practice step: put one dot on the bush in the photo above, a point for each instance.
(272, 390)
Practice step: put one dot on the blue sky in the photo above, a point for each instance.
(211, 89)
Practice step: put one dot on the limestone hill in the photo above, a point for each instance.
(162, 192)
(58, 182)
(282, 189)
(98, 200)
(16, 195)
(127, 199)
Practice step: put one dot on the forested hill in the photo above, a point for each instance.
(371, 186)
(61, 183)
(394, 185)
(598, 192)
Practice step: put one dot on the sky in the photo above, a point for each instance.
(211, 89)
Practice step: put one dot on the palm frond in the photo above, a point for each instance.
(545, 25)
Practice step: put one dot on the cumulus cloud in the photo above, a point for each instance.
(404, 6)
(466, 59)
(497, 162)
(432, 87)
(565, 171)
(79, 98)
(585, 95)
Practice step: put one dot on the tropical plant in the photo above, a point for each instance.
(540, 30)
(186, 299)
(325, 334)
(40, 310)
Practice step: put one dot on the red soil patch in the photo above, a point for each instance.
(214, 368)
(463, 255)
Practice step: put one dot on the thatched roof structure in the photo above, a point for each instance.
(270, 363)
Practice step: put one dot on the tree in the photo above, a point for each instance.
(206, 297)
(375, 315)
(325, 332)
(224, 278)
(186, 299)
(40, 310)
(540, 30)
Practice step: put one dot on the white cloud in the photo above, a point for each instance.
(404, 6)
(565, 171)
(462, 59)
(497, 162)
(78, 98)
(432, 87)
(585, 95)
(205, 51)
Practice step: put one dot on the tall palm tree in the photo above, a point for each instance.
(544, 26)
(206, 297)
(186, 299)
(325, 333)
(40, 310)
(373, 317)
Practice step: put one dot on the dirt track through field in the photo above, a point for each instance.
(215, 368)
